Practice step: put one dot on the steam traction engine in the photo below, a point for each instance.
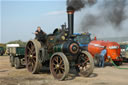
(60, 52)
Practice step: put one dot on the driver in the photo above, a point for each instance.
(40, 34)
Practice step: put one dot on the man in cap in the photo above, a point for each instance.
(40, 34)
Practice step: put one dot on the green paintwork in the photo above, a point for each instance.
(124, 46)
(1, 48)
(20, 50)
(58, 48)
(50, 54)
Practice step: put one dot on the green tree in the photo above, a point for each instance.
(21, 43)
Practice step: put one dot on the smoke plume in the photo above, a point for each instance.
(106, 16)
(79, 4)
(114, 11)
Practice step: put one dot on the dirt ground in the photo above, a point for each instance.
(101, 76)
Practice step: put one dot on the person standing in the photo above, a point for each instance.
(102, 54)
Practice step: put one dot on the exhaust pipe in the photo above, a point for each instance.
(70, 12)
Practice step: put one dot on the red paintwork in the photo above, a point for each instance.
(96, 46)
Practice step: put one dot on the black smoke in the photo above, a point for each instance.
(111, 11)
(114, 10)
(107, 18)
(79, 4)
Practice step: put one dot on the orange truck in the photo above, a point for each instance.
(113, 51)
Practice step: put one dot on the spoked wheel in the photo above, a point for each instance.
(32, 57)
(85, 64)
(59, 66)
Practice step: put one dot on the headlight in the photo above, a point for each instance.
(113, 47)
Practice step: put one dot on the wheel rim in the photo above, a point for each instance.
(30, 56)
(57, 67)
(84, 64)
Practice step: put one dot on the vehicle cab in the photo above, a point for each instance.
(83, 39)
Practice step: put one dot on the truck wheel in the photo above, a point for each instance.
(12, 61)
(59, 66)
(96, 60)
(17, 63)
(118, 63)
(1, 54)
(33, 63)
(85, 64)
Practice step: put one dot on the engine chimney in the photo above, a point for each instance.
(70, 12)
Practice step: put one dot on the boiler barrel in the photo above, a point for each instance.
(70, 47)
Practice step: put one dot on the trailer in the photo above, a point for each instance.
(9, 46)
(17, 57)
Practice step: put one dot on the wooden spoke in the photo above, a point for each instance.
(29, 50)
(59, 66)
(30, 56)
(56, 59)
(85, 64)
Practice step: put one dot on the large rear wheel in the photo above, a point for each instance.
(32, 56)
(85, 64)
(59, 66)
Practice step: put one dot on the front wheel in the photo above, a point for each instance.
(59, 66)
(118, 63)
(97, 60)
(1, 54)
(85, 64)
(17, 63)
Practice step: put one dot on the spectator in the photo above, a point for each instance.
(102, 54)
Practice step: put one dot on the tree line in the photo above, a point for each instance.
(21, 43)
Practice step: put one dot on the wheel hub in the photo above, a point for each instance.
(57, 66)
(30, 56)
